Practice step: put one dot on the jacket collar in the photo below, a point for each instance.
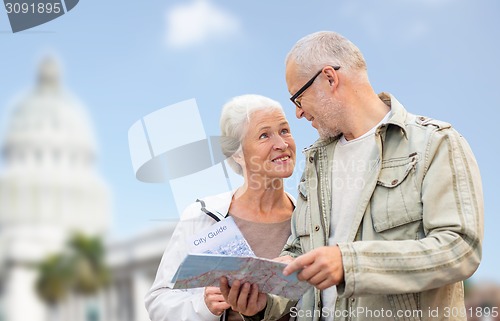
(219, 204)
(398, 112)
(397, 118)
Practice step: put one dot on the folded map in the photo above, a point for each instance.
(201, 270)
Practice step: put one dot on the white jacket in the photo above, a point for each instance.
(166, 304)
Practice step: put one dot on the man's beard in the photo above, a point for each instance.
(329, 118)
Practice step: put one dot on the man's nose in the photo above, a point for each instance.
(299, 113)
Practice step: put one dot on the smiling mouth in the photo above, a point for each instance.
(281, 159)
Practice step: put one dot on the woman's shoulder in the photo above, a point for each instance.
(217, 204)
(292, 199)
(218, 199)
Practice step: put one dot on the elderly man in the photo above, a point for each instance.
(389, 220)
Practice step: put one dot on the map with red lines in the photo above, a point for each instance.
(200, 270)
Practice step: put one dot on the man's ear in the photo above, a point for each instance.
(331, 75)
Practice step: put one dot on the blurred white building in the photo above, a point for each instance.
(49, 188)
(483, 301)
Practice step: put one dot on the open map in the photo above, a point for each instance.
(200, 270)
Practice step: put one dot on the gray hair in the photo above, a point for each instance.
(324, 48)
(234, 119)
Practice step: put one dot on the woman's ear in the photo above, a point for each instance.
(238, 158)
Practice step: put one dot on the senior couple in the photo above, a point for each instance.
(401, 240)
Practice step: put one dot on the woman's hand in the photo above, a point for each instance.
(215, 301)
(244, 298)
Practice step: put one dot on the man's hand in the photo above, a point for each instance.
(215, 301)
(322, 267)
(284, 259)
(243, 298)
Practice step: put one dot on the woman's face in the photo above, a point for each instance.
(268, 146)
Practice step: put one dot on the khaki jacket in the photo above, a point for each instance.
(417, 232)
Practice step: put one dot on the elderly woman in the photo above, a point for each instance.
(260, 147)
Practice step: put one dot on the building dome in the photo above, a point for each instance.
(49, 127)
(49, 181)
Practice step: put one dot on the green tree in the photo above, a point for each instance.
(89, 271)
(54, 278)
(80, 268)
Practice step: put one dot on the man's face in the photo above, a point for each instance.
(317, 104)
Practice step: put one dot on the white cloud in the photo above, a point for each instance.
(197, 22)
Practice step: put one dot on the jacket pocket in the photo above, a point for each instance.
(396, 200)
(406, 306)
(303, 190)
(301, 217)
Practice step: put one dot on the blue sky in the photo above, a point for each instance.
(127, 59)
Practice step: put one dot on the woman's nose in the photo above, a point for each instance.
(280, 143)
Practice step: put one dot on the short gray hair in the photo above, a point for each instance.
(324, 48)
(234, 119)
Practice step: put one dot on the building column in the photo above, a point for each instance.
(21, 300)
(140, 285)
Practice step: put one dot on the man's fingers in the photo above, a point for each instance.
(322, 267)
(310, 272)
(325, 284)
(312, 276)
(283, 259)
(298, 263)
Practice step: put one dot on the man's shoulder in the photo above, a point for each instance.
(428, 121)
(418, 124)
(404, 118)
(422, 129)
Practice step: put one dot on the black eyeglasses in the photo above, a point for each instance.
(307, 85)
